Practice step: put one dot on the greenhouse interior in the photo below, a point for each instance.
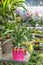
(21, 32)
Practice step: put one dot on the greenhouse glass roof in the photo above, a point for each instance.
(35, 2)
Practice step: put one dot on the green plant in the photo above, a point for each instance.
(40, 22)
(19, 33)
(7, 8)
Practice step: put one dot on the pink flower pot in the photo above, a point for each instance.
(18, 55)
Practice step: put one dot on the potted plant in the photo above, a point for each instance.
(19, 34)
(19, 37)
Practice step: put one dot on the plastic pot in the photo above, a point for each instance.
(18, 54)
